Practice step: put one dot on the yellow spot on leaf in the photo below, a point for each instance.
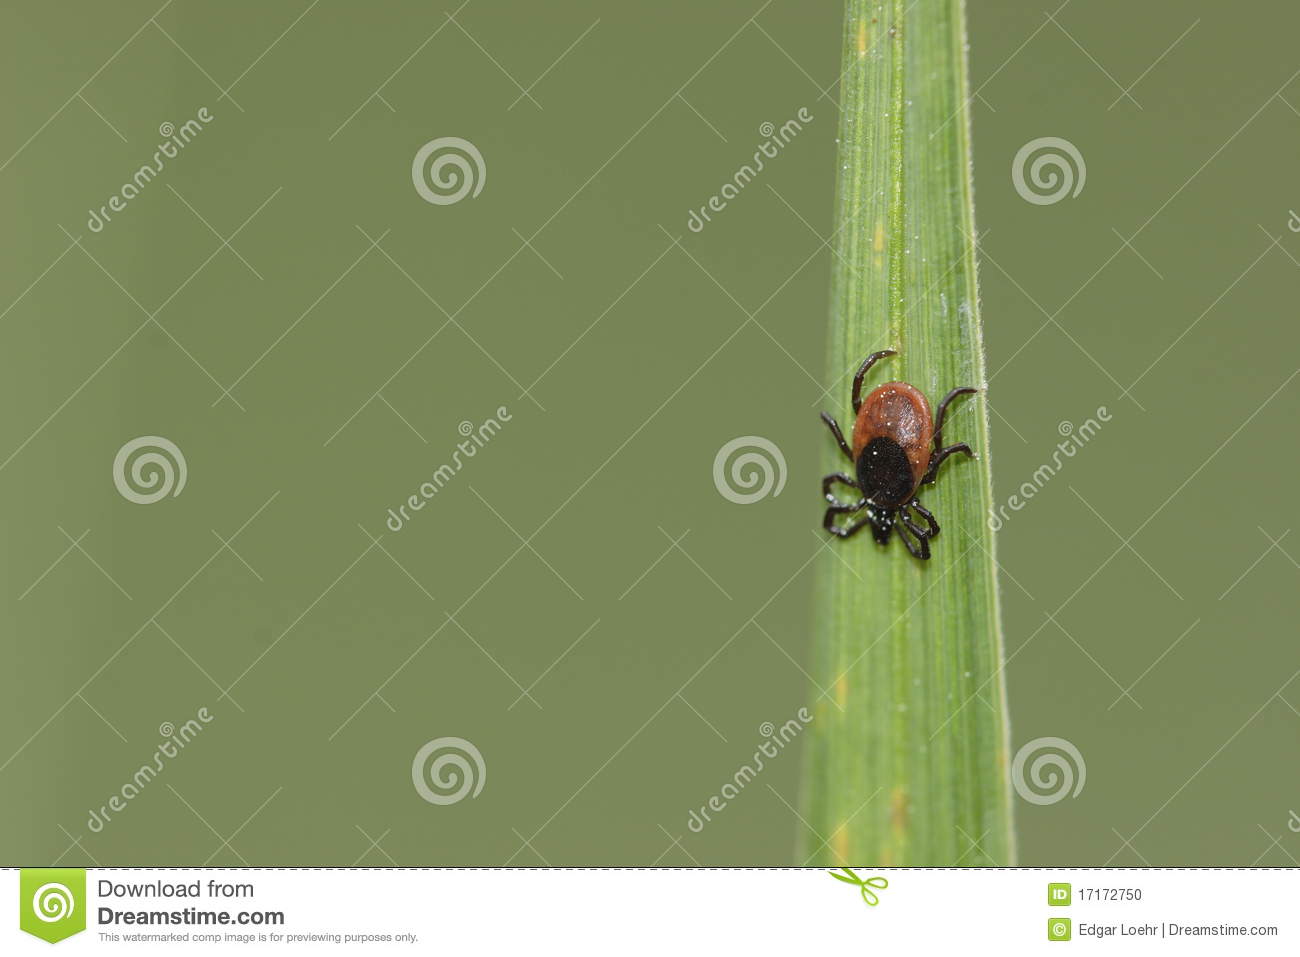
(841, 691)
(898, 812)
(862, 38)
(878, 240)
(840, 843)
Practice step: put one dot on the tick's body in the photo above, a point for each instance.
(897, 447)
(894, 428)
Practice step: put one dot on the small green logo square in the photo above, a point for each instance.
(1058, 928)
(52, 902)
(1058, 895)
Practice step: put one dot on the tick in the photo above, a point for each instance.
(897, 447)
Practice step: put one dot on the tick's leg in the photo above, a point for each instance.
(943, 411)
(911, 525)
(839, 436)
(843, 479)
(921, 548)
(867, 363)
(937, 457)
(927, 515)
(828, 522)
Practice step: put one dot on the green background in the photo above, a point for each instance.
(626, 360)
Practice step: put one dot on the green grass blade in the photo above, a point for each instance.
(908, 758)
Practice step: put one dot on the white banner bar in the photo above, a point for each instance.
(654, 911)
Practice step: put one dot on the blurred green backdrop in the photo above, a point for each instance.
(281, 304)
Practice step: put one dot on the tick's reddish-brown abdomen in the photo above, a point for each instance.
(900, 412)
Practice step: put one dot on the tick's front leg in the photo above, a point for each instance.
(867, 363)
(943, 412)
